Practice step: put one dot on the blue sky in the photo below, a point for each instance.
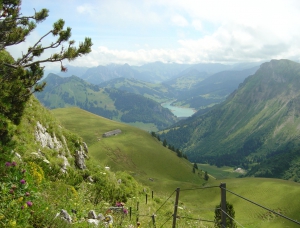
(182, 31)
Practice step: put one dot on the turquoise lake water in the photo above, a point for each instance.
(178, 111)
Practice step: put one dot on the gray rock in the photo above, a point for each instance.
(79, 159)
(46, 140)
(92, 214)
(65, 216)
(85, 147)
(90, 179)
(100, 217)
(93, 221)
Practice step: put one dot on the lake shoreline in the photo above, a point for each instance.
(177, 110)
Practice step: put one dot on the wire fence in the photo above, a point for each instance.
(223, 211)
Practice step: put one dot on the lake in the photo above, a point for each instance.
(179, 111)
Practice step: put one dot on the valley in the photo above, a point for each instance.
(123, 152)
(168, 114)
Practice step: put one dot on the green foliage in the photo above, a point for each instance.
(230, 211)
(18, 194)
(19, 78)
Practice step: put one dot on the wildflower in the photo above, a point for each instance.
(23, 171)
(22, 207)
(29, 203)
(12, 223)
(13, 164)
(125, 211)
(8, 164)
(120, 204)
(11, 191)
(20, 199)
(27, 194)
(22, 181)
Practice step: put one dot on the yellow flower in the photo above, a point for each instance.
(37, 172)
(47, 208)
(12, 223)
(20, 199)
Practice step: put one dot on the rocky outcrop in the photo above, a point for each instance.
(46, 140)
(51, 142)
(81, 155)
(79, 159)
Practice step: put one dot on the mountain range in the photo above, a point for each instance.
(190, 85)
(110, 103)
(257, 127)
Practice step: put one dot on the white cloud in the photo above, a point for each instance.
(179, 20)
(197, 24)
(205, 31)
(86, 8)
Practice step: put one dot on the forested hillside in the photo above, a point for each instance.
(257, 126)
(110, 103)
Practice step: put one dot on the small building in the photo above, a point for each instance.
(111, 133)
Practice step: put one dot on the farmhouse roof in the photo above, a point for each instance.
(111, 133)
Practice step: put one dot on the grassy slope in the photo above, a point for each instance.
(123, 152)
(223, 172)
(134, 150)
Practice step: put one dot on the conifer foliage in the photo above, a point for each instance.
(19, 78)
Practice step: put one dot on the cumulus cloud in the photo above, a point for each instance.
(190, 31)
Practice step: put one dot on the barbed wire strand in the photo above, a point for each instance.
(198, 219)
(232, 218)
(217, 186)
(166, 221)
(274, 212)
(164, 203)
(145, 216)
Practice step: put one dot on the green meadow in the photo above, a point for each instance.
(219, 172)
(161, 172)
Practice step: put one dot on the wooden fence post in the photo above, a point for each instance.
(153, 220)
(223, 204)
(137, 211)
(175, 208)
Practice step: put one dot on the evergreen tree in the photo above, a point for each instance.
(206, 177)
(165, 143)
(195, 165)
(179, 154)
(230, 211)
(19, 78)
